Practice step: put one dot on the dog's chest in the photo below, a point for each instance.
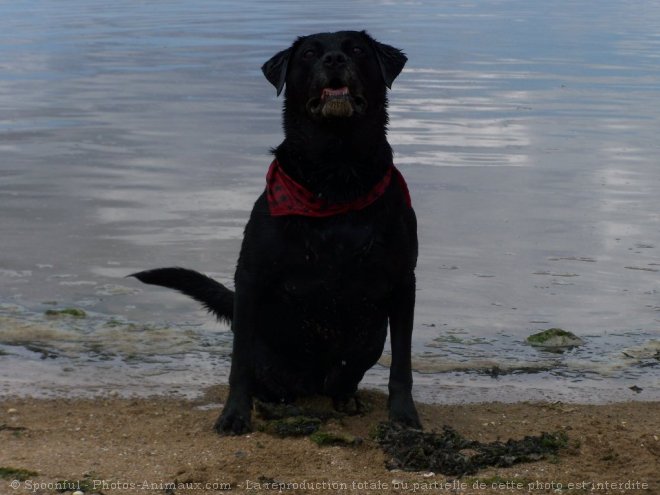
(336, 261)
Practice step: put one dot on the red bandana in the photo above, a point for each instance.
(287, 197)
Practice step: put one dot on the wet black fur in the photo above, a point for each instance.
(314, 296)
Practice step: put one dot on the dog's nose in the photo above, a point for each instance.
(334, 59)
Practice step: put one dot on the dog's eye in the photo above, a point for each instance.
(309, 54)
(357, 50)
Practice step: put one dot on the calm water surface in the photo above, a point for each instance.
(136, 135)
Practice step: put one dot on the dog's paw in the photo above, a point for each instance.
(351, 406)
(405, 414)
(234, 422)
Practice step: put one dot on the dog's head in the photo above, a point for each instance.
(335, 75)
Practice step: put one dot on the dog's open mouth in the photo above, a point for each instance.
(336, 102)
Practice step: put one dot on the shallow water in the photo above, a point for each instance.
(135, 136)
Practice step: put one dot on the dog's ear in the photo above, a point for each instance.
(391, 60)
(275, 69)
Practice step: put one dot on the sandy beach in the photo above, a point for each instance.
(166, 446)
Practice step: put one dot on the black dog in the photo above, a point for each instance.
(330, 249)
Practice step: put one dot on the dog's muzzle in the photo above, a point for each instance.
(336, 102)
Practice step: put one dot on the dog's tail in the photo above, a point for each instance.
(214, 296)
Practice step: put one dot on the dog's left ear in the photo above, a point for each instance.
(275, 69)
(391, 60)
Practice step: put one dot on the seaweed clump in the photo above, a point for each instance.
(451, 454)
(269, 411)
(296, 426)
(555, 338)
(297, 420)
(290, 420)
(323, 438)
(73, 312)
(16, 474)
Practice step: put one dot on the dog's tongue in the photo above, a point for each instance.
(332, 92)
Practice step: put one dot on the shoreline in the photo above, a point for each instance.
(160, 441)
(450, 388)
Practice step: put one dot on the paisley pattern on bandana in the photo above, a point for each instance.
(286, 197)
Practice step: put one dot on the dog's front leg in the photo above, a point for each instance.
(235, 418)
(401, 405)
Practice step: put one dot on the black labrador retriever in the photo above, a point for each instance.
(330, 249)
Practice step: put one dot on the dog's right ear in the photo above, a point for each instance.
(390, 60)
(275, 69)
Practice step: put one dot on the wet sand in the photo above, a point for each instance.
(127, 446)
